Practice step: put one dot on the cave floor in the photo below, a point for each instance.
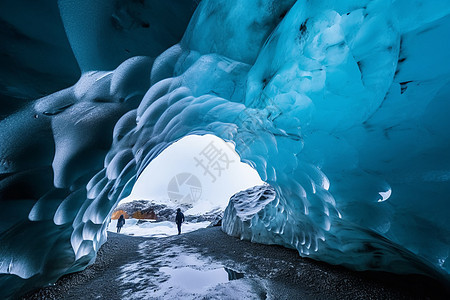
(208, 264)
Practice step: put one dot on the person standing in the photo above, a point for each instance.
(120, 223)
(179, 219)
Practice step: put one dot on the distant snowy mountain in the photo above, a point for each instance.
(149, 209)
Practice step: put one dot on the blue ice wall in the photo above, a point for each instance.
(340, 106)
(35, 55)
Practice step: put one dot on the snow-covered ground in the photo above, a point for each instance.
(154, 229)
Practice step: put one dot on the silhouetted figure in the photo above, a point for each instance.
(120, 223)
(179, 219)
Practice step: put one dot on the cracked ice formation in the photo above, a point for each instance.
(340, 107)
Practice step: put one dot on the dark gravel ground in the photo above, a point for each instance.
(289, 276)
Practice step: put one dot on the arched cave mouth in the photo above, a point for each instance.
(198, 173)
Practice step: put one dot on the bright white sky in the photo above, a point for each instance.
(222, 175)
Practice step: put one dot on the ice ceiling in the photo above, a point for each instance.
(341, 106)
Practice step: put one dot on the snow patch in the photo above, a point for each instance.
(154, 229)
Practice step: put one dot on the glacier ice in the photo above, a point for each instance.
(340, 106)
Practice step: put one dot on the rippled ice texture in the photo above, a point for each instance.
(341, 106)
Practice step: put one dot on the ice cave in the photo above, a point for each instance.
(340, 106)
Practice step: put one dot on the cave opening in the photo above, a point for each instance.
(198, 174)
